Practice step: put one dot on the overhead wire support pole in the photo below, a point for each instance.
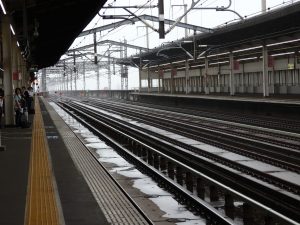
(64, 74)
(95, 47)
(74, 69)
(147, 36)
(122, 69)
(161, 18)
(126, 67)
(98, 76)
(109, 73)
(185, 18)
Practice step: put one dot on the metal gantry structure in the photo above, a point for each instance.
(85, 57)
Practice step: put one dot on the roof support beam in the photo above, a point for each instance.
(144, 17)
(108, 42)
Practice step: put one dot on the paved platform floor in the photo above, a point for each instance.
(78, 205)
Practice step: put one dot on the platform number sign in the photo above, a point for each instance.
(173, 72)
(236, 65)
(160, 73)
(270, 61)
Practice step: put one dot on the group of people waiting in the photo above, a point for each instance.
(23, 104)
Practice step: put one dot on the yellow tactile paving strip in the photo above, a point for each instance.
(41, 205)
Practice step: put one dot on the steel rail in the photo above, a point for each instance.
(214, 125)
(265, 193)
(179, 190)
(221, 139)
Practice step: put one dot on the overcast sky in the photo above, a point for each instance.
(136, 34)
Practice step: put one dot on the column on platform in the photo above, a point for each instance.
(148, 79)
(159, 78)
(20, 66)
(140, 78)
(187, 77)
(7, 67)
(265, 71)
(231, 74)
(243, 78)
(14, 63)
(206, 87)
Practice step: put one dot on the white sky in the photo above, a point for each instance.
(135, 34)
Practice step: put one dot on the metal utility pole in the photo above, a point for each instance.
(57, 82)
(98, 77)
(74, 70)
(114, 67)
(109, 73)
(71, 79)
(161, 17)
(61, 83)
(95, 48)
(140, 73)
(147, 38)
(185, 18)
(67, 81)
(124, 69)
(83, 68)
(263, 6)
(64, 76)
(147, 35)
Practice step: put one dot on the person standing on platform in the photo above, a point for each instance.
(18, 106)
(30, 103)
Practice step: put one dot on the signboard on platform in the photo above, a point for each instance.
(160, 73)
(173, 72)
(236, 65)
(15, 75)
(270, 61)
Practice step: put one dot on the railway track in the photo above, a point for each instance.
(210, 166)
(277, 148)
(289, 125)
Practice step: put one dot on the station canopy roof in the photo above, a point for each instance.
(45, 29)
(274, 26)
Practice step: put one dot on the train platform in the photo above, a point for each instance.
(48, 177)
(285, 100)
(271, 106)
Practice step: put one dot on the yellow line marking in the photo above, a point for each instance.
(41, 206)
